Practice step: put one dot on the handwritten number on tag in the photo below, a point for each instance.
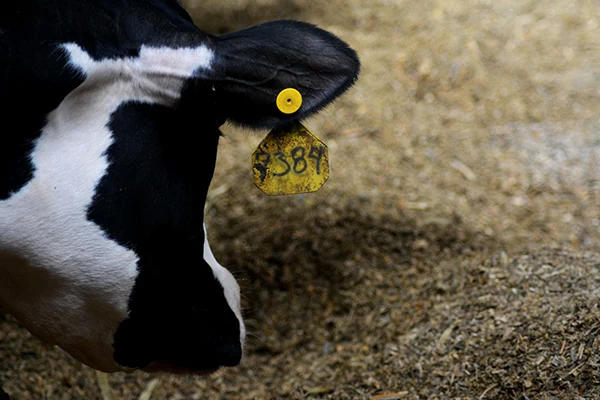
(295, 161)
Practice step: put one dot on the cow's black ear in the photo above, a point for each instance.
(254, 65)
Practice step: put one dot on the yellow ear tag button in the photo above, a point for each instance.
(289, 101)
(290, 161)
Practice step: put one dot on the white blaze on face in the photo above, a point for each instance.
(60, 275)
(230, 286)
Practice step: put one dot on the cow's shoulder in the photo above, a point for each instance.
(33, 82)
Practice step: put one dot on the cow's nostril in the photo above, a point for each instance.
(229, 355)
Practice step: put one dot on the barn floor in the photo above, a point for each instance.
(455, 251)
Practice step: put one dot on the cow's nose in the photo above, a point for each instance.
(229, 355)
(202, 362)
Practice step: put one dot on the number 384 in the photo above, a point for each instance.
(297, 161)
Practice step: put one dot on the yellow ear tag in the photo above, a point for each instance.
(291, 160)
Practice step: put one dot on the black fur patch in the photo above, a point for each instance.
(152, 201)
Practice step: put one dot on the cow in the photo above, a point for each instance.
(111, 115)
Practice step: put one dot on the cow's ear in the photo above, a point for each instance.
(254, 65)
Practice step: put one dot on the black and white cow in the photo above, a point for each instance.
(110, 113)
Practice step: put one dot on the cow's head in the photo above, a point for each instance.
(103, 248)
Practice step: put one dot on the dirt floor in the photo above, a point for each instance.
(455, 251)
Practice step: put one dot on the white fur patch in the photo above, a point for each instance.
(156, 76)
(60, 276)
(230, 285)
